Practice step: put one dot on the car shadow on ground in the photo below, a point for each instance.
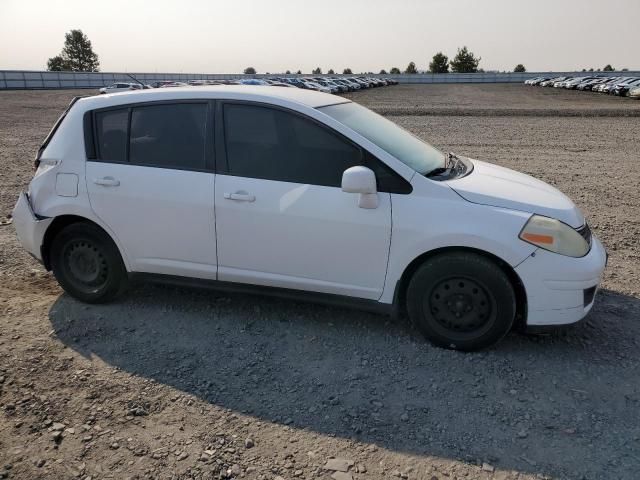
(553, 404)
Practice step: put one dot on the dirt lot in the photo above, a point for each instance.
(176, 384)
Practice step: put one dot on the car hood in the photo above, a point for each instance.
(490, 184)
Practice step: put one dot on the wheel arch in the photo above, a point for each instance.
(58, 224)
(399, 297)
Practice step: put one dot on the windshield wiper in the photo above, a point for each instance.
(450, 164)
(436, 172)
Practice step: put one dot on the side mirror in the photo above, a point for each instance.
(361, 180)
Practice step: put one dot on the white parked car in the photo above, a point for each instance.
(297, 192)
(316, 86)
(121, 87)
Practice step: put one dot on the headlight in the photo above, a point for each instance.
(555, 236)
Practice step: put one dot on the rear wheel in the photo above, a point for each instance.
(87, 263)
(461, 301)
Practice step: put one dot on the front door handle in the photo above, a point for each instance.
(240, 197)
(106, 181)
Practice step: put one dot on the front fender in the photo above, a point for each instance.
(451, 223)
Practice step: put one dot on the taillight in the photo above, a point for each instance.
(44, 165)
(36, 162)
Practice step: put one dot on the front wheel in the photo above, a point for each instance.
(461, 301)
(87, 263)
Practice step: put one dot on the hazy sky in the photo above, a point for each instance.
(216, 36)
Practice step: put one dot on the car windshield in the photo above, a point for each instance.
(393, 139)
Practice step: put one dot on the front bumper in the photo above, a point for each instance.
(29, 228)
(560, 290)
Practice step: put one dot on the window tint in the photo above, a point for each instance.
(112, 135)
(276, 145)
(250, 124)
(169, 135)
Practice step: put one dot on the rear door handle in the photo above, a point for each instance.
(240, 197)
(106, 181)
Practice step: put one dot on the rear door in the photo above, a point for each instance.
(152, 183)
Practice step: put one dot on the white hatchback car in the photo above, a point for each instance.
(297, 192)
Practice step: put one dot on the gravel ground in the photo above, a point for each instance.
(177, 384)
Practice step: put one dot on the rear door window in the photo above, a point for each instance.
(161, 135)
(170, 135)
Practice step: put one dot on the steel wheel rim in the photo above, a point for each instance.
(85, 265)
(460, 307)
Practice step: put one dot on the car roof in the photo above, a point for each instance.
(258, 93)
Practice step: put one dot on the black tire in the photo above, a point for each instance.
(462, 301)
(87, 263)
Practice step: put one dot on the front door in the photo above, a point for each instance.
(281, 217)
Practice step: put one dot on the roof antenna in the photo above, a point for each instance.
(135, 79)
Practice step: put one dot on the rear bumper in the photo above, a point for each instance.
(561, 290)
(29, 228)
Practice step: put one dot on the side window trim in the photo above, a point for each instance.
(222, 161)
(127, 146)
(89, 135)
(209, 137)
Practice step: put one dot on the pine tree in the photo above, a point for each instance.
(411, 68)
(465, 61)
(77, 55)
(439, 63)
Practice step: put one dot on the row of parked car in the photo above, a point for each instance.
(621, 85)
(321, 84)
